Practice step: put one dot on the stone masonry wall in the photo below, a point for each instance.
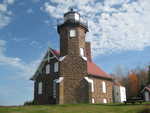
(75, 88)
(71, 46)
(47, 86)
(98, 94)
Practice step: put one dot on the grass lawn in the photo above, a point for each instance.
(78, 108)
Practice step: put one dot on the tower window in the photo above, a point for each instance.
(82, 52)
(72, 33)
(56, 67)
(40, 88)
(47, 68)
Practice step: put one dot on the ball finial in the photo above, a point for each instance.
(71, 9)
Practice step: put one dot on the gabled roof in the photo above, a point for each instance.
(147, 88)
(116, 83)
(94, 70)
(45, 59)
(56, 52)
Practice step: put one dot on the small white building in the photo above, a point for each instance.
(146, 93)
(119, 93)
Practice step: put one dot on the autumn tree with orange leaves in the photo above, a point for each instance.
(134, 80)
(133, 84)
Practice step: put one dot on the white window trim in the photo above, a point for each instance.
(48, 69)
(59, 80)
(91, 82)
(84, 58)
(40, 88)
(56, 66)
(104, 87)
(82, 52)
(62, 58)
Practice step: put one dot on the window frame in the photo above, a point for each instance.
(47, 69)
(82, 52)
(56, 67)
(74, 33)
(104, 89)
(40, 88)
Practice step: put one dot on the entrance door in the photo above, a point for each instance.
(54, 91)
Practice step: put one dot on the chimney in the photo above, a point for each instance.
(88, 51)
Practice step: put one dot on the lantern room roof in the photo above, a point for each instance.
(71, 11)
(72, 18)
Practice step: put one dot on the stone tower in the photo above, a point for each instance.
(72, 34)
(73, 67)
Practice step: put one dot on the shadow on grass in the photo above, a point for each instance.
(146, 110)
(119, 104)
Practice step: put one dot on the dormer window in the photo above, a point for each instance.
(47, 68)
(72, 33)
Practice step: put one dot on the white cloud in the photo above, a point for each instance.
(25, 70)
(9, 1)
(114, 25)
(5, 13)
(3, 8)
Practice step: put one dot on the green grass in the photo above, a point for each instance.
(78, 108)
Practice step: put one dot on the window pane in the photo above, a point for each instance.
(56, 67)
(47, 68)
(104, 87)
(72, 33)
(77, 17)
(40, 88)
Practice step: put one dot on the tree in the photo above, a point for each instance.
(133, 83)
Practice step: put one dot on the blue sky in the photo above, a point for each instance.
(118, 30)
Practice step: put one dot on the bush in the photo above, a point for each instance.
(29, 103)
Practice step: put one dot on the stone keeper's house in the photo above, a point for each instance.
(70, 76)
